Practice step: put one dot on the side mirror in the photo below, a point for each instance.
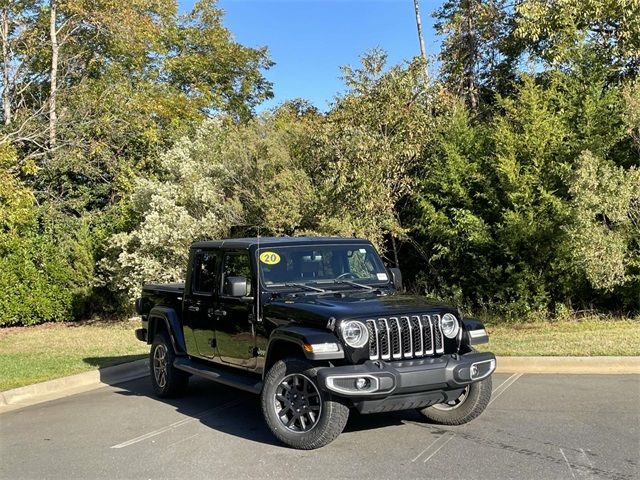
(236, 286)
(396, 278)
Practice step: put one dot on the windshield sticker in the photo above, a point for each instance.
(383, 277)
(270, 258)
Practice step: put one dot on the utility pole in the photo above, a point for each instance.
(423, 50)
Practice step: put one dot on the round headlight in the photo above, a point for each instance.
(450, 325)
(354, 333)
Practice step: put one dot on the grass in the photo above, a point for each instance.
(44, 352)
(35, 354)
(592, 336)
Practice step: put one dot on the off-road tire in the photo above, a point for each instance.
(477, 399)
(173, 382)
(333, 413)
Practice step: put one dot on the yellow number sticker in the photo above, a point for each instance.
(269, 258)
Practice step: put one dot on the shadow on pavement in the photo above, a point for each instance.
(238, 413)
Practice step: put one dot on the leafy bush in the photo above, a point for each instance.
(226, 175)
(46, 262)
(35, 282)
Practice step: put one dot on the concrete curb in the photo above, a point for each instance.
(62, 387)
(569, 365)
(82, 382)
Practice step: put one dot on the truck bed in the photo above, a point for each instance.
(162, 294)
(164, 287)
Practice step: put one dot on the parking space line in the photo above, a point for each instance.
(586, 457)
(503, 386)
(183, 440)
(505, 381)
(197, 417)
(440, 447)
(430, 445)
(568, 464)
(439, 439)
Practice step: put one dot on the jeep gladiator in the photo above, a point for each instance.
(316, 327)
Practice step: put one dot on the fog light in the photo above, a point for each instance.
(362, 383)
(483, 369)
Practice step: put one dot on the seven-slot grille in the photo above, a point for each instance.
(405, 336)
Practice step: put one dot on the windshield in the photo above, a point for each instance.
(320, 264)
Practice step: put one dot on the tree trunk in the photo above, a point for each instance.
(471, 57)
(423, 50)
(6, 65)
(395, 251)
(53, 116)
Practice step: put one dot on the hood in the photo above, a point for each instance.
(317, 309)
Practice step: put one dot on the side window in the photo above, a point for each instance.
(204, 273)
(236, 265)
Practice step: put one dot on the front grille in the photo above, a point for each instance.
(407, 336)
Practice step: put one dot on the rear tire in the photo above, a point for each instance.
(466, 407)
(166, 380)
(296, 410)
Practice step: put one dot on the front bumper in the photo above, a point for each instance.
(385, 386)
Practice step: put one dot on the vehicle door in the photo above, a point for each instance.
(235, 332)
(200, 299)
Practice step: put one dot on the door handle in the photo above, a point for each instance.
(219, 313)
(194, 308)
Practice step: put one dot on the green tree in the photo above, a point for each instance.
(606, 32)
(367, 146)
(44, 274)
(477, 55)
(226, 175)
(96, 90)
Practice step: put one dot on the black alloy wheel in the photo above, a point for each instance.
(166, 380)
(297, 403)
(296, 410)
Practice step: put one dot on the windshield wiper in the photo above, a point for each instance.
(355, 284)
(299, 285)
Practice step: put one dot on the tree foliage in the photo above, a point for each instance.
(92, 91)
(508, 183)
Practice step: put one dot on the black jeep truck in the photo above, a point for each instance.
(316, 326)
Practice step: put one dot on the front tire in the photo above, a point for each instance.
(166, 380)
(471, 403)
(296, 410)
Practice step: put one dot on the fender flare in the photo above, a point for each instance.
(170, 319)
(473, 332)
(299, 336)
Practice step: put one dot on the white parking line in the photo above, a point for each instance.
(197, 417)
(438, 449)
(568, 464)
(586, 457)
(437, 440)
(430, 445)
(503, 386)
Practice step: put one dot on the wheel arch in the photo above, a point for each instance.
(163, 319)
(294, 341)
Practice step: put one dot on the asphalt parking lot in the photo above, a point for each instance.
(537, 426)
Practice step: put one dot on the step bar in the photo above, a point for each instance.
(231, 379)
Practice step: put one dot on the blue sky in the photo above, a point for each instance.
(310, 39)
